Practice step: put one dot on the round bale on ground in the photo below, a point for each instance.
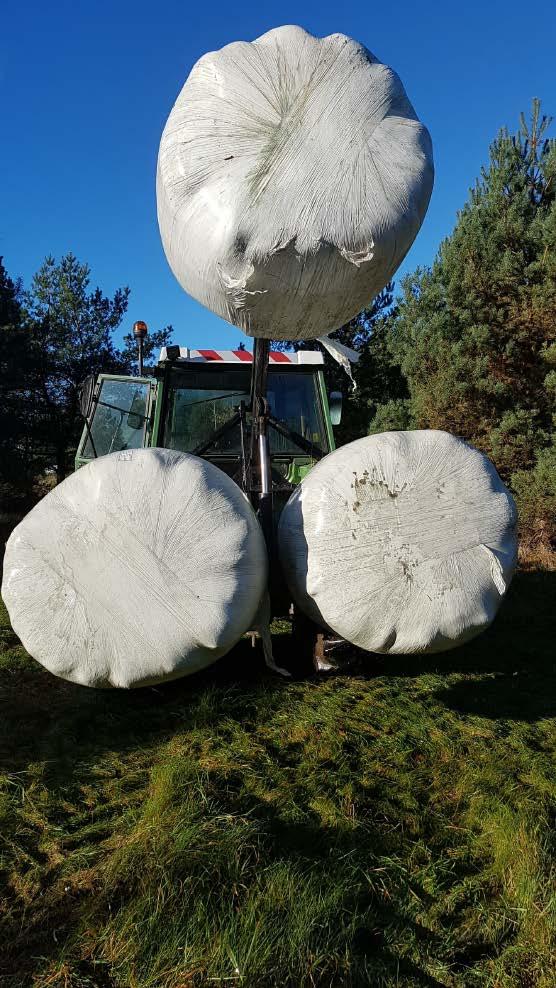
(401, 542)
(143, 566)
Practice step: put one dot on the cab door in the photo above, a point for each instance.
(121, 417)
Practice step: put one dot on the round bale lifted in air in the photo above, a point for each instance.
(293, 176)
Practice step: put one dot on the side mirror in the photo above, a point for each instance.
(335, 399)
(85, 395)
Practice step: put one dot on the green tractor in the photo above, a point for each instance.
(264, 419)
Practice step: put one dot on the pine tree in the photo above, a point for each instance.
(17, 413)
(474, 334)
(70, 336)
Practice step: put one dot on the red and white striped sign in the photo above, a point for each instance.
(243, 356)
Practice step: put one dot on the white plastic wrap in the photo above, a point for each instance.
(293, 177)
(143, 566)
(401, 542)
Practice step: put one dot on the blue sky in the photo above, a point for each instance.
(86, 90)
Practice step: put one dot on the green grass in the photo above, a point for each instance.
(393, 826)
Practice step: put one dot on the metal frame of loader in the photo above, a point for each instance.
(259, 486)
(254, 476)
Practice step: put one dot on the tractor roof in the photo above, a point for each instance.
(238, 356)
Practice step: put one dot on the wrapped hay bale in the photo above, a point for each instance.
(401, 542)
(143, 566)
(293, 176)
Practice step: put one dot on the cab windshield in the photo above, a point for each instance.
(202, 400)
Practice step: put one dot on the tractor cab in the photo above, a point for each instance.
(200, 401)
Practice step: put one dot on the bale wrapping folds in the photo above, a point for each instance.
(293, 176)
(143, 566)
(401, 542)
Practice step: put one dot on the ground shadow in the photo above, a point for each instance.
(46, 718)
(508, 672)
(524, 631)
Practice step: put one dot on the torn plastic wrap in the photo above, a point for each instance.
(342, 354)
(293, 176)
(143, 566)
(401, 542)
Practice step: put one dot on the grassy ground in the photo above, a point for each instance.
(394, 826)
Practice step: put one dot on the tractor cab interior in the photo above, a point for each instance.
(201, 399)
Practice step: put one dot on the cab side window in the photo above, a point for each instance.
(119, 419)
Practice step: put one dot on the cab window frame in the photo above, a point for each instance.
(85, 452)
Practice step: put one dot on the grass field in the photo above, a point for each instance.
(393, 826)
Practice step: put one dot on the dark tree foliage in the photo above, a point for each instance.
(19, 458)
(153, 342)
(51, 338)
(376, 374)
(70, 330)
